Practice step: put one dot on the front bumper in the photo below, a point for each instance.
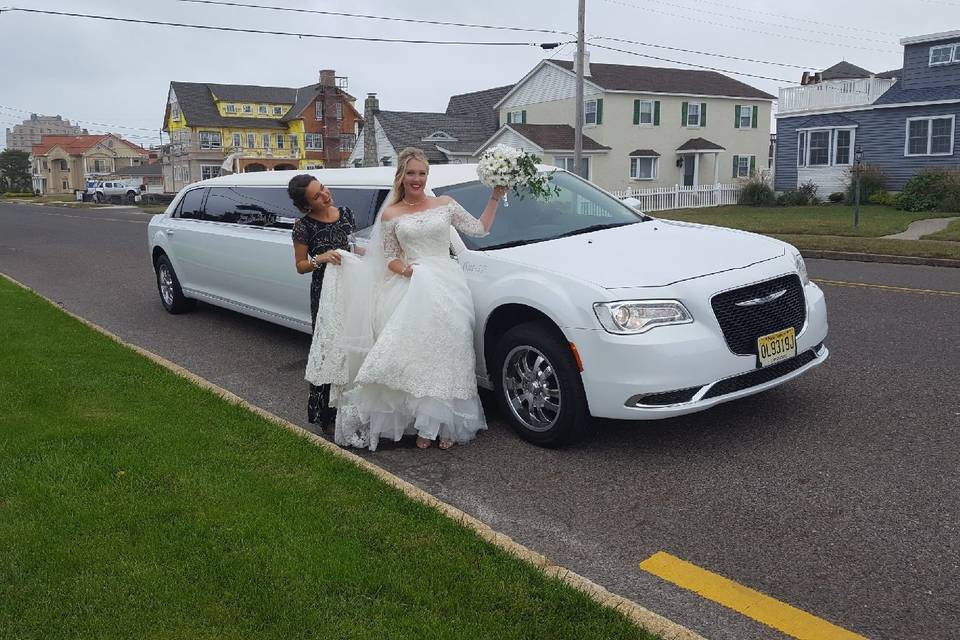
(675, 370)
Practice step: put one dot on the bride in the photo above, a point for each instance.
(396, 335)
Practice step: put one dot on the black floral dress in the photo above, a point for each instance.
(319, 238)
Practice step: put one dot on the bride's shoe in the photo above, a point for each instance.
(423, 443)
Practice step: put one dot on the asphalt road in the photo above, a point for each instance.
(838, 493)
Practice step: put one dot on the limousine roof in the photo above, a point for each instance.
(443, 174)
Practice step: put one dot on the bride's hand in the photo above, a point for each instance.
(408, 272)
(498, 193)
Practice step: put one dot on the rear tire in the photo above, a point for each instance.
(168, 285)
(538, 386)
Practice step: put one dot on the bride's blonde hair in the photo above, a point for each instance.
(408, 154)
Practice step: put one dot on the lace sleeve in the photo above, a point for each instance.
(391, 245)
(300, 233)
(464, 222)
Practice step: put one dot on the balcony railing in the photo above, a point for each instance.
(183, 148)
(833, 93)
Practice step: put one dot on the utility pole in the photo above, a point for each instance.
(578, 65)
(858, 167)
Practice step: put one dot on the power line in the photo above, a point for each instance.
(797, 19)
(690, 64)
(718, 55)
(769, 24)
(98, 124)
(728, 26)
(185, 25)
(373, 17)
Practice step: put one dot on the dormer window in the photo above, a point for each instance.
(439, 136)
(944, 54)
(231, 108)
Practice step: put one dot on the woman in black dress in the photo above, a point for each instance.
(316, 237)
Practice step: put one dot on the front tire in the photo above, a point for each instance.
(171, 295)
(538, 386)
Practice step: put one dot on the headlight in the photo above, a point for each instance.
(637, 316)
(801, 268)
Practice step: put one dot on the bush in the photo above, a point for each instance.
(836, 196)
(18, 194)
(792, 199)
(873, 179)
(809, 192)
(882, 198)
(756, 192)
(931, 190)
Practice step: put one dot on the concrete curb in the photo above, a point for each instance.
(879, 257)
(644, 618)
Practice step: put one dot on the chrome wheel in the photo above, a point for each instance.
(532, 388)
(165, 280)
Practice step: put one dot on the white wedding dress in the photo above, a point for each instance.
(418, 374)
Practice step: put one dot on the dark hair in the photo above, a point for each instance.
(297, 190)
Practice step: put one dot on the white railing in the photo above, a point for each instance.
(832, 93)
(677, 197)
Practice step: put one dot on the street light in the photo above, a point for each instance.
(858, 166)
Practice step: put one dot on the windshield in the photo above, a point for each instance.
(579, 208)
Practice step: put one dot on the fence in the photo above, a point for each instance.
(677, 197)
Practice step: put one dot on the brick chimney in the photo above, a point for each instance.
(328, 78)
(370, 108)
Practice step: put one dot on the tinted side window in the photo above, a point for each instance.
(191, 205)
(364, 203)
(221, 205)
(268, 206)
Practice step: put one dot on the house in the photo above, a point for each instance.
(903, 121)
(643, 126)
(63, 164)
(447, 138)
(23, 136)
(256, 128)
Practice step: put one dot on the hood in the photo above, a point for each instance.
(647, 254)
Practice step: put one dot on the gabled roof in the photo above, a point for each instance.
(843, 70)
(554, 137)
(893, 73)
(622, 77)
(408, 128)
(646, 153)
(700, 144)
(827, 120)
(897, 94)
(196, 100)
(305, 96)
(78, 145)
(480, 104)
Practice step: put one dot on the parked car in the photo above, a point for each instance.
(107, 190)
(584, 306)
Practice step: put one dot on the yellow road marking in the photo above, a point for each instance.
(753, 604)
(887, 287)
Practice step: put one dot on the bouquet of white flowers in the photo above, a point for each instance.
(503, 166)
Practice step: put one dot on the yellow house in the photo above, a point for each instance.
(215, 127)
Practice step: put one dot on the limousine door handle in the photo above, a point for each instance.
(169, 232)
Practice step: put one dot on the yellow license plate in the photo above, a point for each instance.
(777, 347)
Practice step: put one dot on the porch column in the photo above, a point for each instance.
(716, 168)
(696, 169)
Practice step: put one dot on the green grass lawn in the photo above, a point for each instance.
(951, 233)
(135, 504)
(831, 220)
(880, 246)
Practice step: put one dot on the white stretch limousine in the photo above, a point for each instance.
(584, 306)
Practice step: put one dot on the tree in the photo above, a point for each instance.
(15, 171)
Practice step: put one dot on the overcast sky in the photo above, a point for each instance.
(118, 73)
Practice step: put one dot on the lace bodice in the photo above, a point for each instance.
(427, 233)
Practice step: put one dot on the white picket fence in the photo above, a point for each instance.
(677, 197)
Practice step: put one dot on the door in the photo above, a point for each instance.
(688, 168)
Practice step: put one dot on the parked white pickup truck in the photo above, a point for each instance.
(107, 190)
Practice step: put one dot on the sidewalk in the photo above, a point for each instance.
(921, 228)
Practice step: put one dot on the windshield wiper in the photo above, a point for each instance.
(593, 227)
(505, 245)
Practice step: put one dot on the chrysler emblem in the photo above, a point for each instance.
(753, 302)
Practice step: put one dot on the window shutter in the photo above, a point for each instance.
(753, 122)
(599, 110)
(523, 117)
(736, 117)
(753, 164)
(683, 114)
(736, 162)
(636, 112)
(656, 113)
(703, 114)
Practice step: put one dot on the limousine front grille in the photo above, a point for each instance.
(760, 376)
(747, 313)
